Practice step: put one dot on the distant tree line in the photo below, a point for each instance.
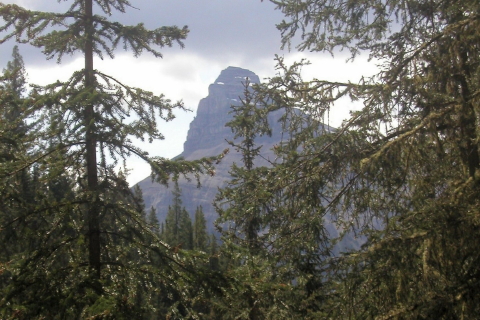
(178, 229)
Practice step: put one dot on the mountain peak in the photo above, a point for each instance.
(208, 129)
(236, 76)
(206, 137)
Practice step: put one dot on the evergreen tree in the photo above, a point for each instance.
(12, 88)
(186, 230)
(244, 215)
(213, 252)
(172, 220)
(178, 225)
(200, 236)
(162, 231)
(18, 188)
(152, 220)
(15, 74)
(402, 173)
(138, 198)
(89, 257)
(212, 245)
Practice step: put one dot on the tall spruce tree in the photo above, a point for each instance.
(244, 217)
(13, 88)
(15, 74)
(200, 236)
(152, 220)
(186, 230)
(90, 258)
(402, 173)
(17, 190)
(244, 214)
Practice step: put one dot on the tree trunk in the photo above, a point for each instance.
(93, 231)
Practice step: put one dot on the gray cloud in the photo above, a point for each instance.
(220, 30)
(217, 27)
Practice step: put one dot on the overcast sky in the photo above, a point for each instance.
(223, 33)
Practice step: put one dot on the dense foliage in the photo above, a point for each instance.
(402, 175)
(77, 241)
(400, 179)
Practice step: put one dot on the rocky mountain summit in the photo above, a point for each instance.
(207, 137)
(208, 129)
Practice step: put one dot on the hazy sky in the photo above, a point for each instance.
(223, 33)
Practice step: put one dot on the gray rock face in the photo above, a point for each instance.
(208, 129)
(207, 137)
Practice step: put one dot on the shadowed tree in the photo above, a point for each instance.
(402, 172)
(82, 265)
(152, 220)
(200, 236)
